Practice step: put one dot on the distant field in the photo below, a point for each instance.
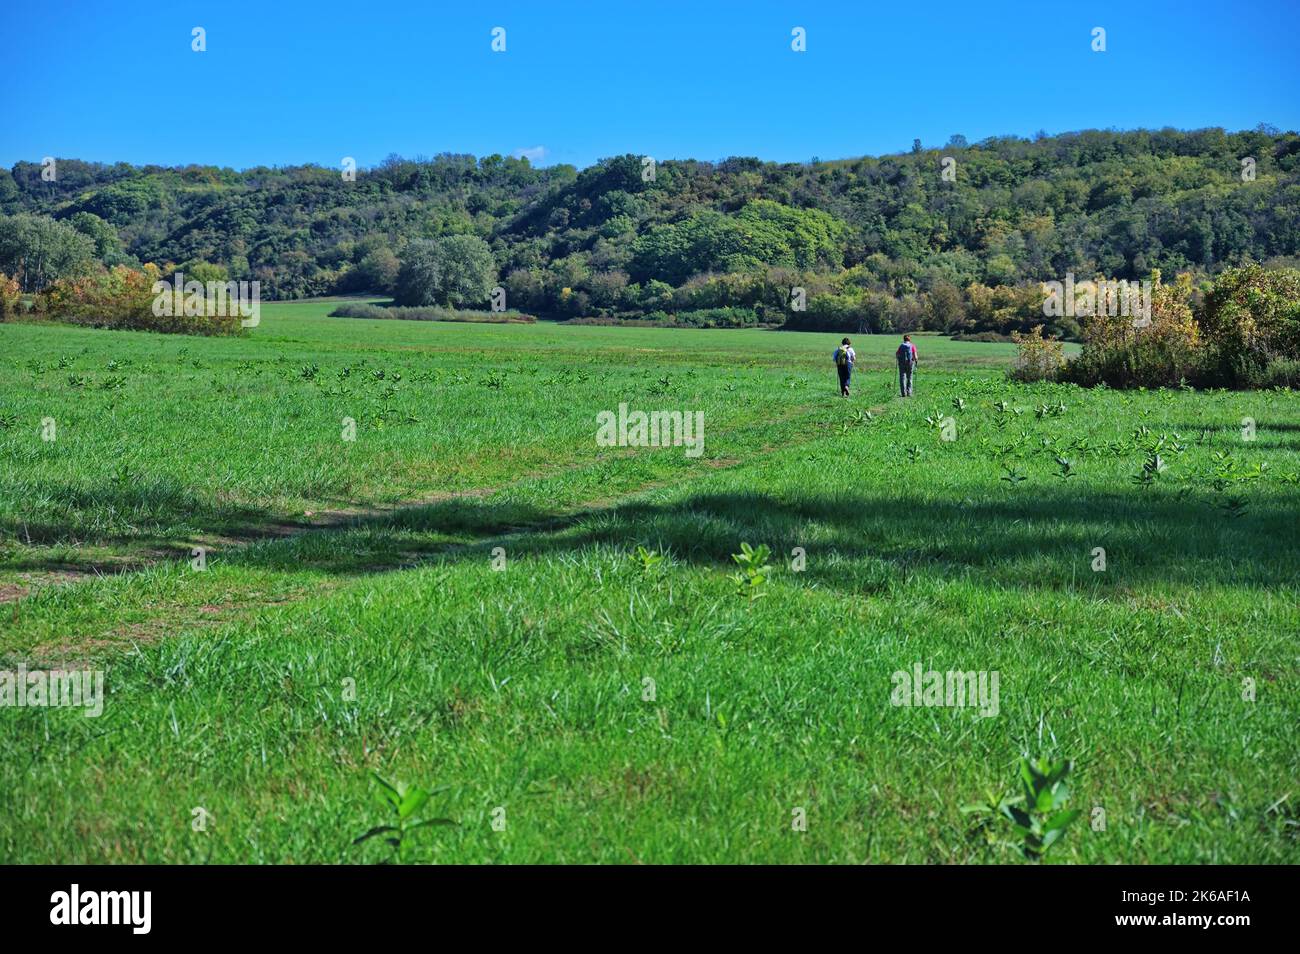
(349, 619)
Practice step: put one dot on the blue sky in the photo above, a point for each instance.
(284, 82)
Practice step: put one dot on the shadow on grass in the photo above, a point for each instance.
(123, 527)
(852, 542)
(73, 514)
(1030, 537)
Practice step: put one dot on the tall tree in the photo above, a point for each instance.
(37, 250)
(454, 271)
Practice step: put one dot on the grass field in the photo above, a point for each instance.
(453, 597)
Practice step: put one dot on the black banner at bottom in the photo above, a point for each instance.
(137, 904)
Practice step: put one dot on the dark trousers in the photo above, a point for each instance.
(846, 372)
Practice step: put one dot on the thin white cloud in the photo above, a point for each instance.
(532, 153)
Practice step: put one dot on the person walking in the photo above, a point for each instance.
(844, 358)
(906, 355)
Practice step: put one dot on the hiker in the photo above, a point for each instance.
(844, 358)
(906, 355)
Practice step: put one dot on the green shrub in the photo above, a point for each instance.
(1251, 319)
(1279, 374)
(1246, 336)
(429, 313)
(707, 318)
(1137, 364)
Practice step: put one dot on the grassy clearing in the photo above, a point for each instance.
(525, 689)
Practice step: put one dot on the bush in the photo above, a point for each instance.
(706, 318)
(837, 313)
(1038, 358)
(1279, 374)
(123, 297)
(431, 313)
(1123, 351)
(1008, 308)
(377, 272)
(1136, 364)
(10, 300)
(1248, 336)
(1251, 319)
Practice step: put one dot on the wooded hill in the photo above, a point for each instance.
(879, 243)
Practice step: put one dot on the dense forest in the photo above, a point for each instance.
(952, 239)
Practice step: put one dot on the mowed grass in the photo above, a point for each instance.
(608, 712)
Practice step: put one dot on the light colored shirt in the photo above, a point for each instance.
(835, 356)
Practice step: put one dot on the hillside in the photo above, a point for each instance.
(879, 242)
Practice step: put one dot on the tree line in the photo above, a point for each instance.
(953, 239)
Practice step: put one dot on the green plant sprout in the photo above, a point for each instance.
(751, 578)
(402, 802)
(649, 560)
(1037, 815)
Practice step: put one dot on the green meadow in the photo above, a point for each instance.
(336, 549)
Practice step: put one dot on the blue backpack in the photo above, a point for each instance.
(904, 353)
